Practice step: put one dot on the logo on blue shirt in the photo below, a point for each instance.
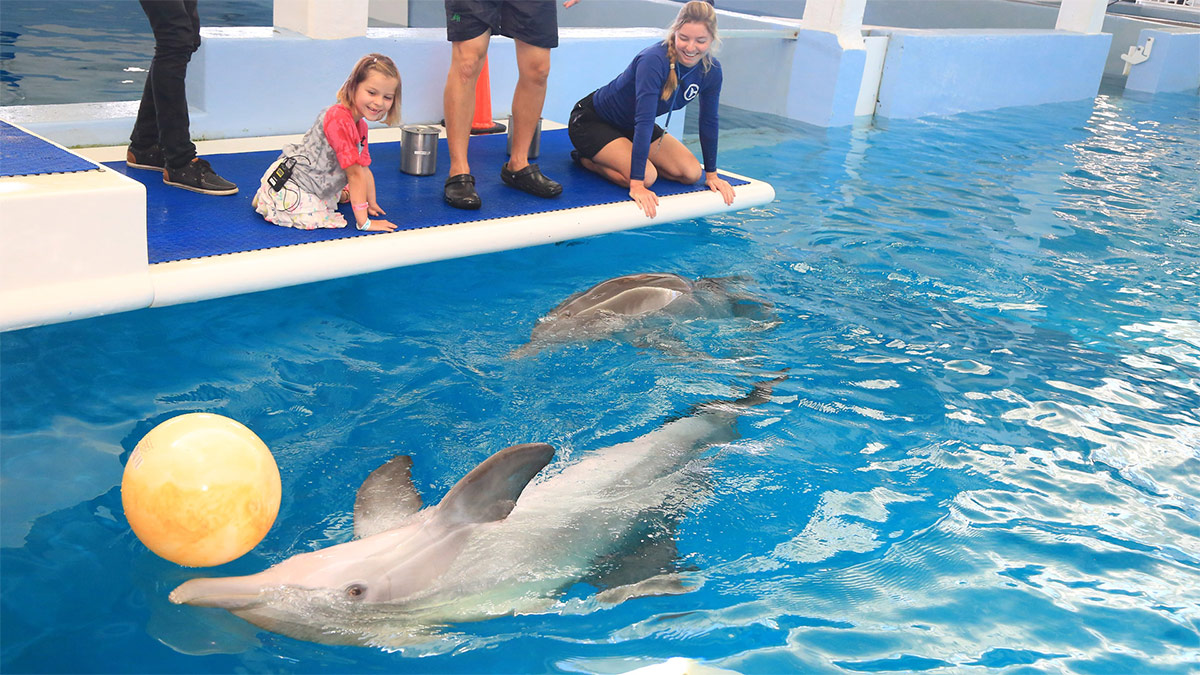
(691, 92)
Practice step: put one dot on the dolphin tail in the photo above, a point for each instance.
(759, 394)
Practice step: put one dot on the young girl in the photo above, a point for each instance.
(303, 187)
(613, 128)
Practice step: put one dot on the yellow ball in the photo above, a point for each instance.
(200, 489)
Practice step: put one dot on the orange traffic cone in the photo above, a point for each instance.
(483, 122)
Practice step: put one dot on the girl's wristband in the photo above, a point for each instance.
(360, 206)
(364, 225)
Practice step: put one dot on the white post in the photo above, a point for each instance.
(841, 17)
(1081, 16)
(323, 19)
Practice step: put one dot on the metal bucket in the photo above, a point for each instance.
(418, 149)
(535, 145)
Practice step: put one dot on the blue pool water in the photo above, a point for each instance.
(986, 458)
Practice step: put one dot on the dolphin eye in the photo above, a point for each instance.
(356, 591)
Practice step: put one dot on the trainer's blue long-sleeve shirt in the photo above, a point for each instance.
(634, 99)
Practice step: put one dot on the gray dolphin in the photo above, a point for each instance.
(613, 305)
(495, 545)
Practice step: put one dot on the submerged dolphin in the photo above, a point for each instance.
(495, 545)
(613, 305)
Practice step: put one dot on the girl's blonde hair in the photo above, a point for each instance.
(696, 11)
(384, 66)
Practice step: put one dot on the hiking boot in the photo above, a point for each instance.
(198, 176)
(151, 158)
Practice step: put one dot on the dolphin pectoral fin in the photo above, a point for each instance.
(662, 584)
(386, 498)
(528, 349)
(491, 490)
(742, 303)
(649, 568)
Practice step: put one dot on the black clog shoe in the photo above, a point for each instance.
(531, 180)
(460, 192)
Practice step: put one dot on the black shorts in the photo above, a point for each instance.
(589, 132)
(534, 22)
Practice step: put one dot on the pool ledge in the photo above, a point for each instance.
(74, 245)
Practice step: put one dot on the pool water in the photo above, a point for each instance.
(68, 51)
(986, 456)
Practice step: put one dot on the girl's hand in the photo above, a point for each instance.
(645, 199)
(718, 184)
(375, 210)
(381, 226)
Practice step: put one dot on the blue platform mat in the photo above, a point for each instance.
(22, 154)
(183, 225)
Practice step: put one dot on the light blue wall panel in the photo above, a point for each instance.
(978, 14)
(252, 84)
(946, 72)
(259, 82)
(1174, 63)
(597, 14)
(757, 74)
(825, 80)
(246, 93)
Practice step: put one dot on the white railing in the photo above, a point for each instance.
(1174, 3)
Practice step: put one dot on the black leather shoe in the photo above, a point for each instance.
(198, 176)
(531, 180)
(460, 192)
(151, 158)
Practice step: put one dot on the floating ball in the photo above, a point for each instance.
(200, 489)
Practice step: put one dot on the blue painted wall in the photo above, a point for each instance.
(251, 81)
(260, 82)
(945, 72)
(825, 80)
(1174, 63)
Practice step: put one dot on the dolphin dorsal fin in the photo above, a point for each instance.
(490, 491)
(637, 301)
(386, 498)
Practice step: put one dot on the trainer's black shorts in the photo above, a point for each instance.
(531, 21)
(589, 133)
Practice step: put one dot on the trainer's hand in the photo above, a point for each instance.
(570, 3)
(718, 184)
(647, 200)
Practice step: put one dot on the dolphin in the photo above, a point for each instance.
(496, 544)
(613, 305)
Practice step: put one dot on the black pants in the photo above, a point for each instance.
(163, 115)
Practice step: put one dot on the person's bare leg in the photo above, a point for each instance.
(458, 99)
(612, 162)
(533, 64)
(674, 161)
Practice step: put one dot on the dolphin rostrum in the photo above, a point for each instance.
(612, 305)
(496, 544)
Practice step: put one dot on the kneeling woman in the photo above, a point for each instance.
(613, 128)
